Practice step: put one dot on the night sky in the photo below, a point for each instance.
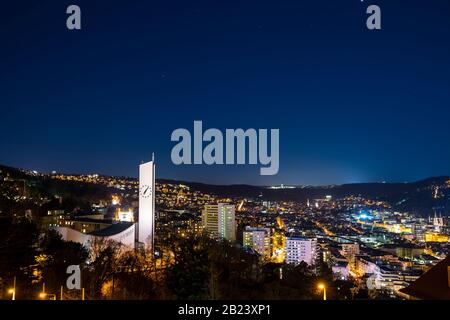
(352, 105)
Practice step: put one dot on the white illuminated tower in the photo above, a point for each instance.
(147, 204)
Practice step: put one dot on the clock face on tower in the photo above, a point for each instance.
(145, 191)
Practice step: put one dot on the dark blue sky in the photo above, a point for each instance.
(352, 105)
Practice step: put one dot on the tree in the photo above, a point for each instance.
(102, 262)
(56, 255)
(18, 239)
(133, 277)
(188, 277)
(236, 273)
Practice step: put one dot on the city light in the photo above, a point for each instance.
(115, 200)
(322, 286)
(12, 291)
(125, 216)
(300, 154)
(44, 295)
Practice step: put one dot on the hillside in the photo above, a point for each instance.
(420, 197)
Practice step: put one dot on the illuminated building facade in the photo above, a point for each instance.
(219, 221)
(349, 250)
(123, 233)
(125, 216)
(300, 249)
(146, 221)
(258, 239)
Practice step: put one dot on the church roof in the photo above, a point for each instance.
(114, 229)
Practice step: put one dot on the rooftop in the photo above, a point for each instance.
(433, 285)
(112, 230)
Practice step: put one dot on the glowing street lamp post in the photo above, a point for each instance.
(44, 295)
(13, 290)
(321, 286)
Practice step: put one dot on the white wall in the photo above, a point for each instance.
(126, 237)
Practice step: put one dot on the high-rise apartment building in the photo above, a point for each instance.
(300, 249)
(219, 220)
(258, 239)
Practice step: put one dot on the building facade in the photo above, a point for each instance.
(258, 239)
(219, 221)
(122, 232)
(300, 249)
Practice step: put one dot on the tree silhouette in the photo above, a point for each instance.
(56, 255)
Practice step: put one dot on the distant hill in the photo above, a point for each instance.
(417, 197)
(421, 197)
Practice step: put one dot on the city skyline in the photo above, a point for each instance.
(352, 105)
(378, 242)
(224, 158)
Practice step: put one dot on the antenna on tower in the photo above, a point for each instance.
(153, 156)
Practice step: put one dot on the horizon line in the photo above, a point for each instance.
(234, 184)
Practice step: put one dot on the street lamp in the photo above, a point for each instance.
(13, 290)
(321, 286)
(44, 295)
